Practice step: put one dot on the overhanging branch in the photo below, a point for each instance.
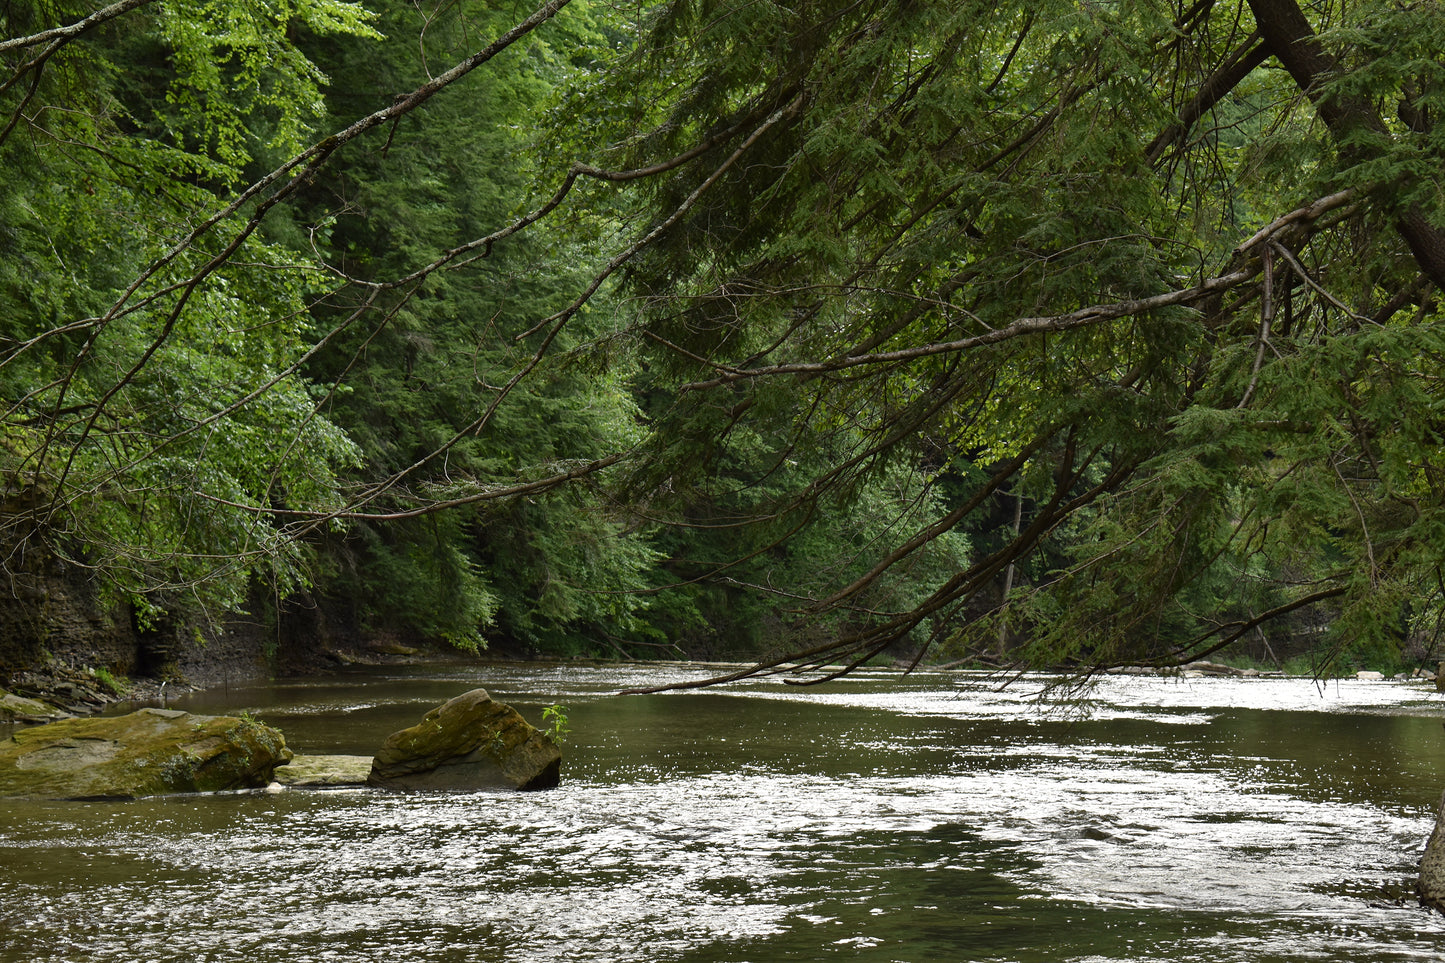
(1083, 317)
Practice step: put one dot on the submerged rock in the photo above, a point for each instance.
(145, 753)
(1431, 887)
(310, 772)
(1195, 670)
(471, 742)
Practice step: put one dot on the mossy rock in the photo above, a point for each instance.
(471, 742)
(146, 753)
(1431, 887)
(15, 708)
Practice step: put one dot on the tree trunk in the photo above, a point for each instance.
(1292, 40)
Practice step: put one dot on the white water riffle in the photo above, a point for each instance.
(880, 818)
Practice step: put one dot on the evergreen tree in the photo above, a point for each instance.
(153, 414)
(1095, 288)
(415, 374)
(1096, 255)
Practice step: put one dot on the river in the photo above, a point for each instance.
(879, 818)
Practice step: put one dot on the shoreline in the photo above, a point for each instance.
(59, 691)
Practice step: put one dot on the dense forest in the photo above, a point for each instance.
(1051, 332)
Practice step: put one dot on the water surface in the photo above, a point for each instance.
(877, 819)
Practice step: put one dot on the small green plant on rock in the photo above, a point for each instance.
(555, 719)
(247, 725)
(179, 770)
(119, 686)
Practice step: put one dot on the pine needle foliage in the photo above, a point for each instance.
(1080, 331)
(1017, 244)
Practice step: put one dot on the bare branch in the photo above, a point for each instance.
(1303, 216)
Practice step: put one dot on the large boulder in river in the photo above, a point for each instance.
(471, 742)
(1432, 865)
(146, 753)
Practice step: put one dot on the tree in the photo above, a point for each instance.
(1183, 302)
(552, 572)
(153, 413)
(1106, 260)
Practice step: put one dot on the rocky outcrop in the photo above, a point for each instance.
(50, 609)
(18, 708)
(146, 753)
(1431, 887)
(76, 692)
(471, 742)
(324, 772)
(57, 623)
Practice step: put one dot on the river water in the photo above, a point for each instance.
(879, 818)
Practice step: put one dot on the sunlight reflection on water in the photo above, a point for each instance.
(882, 819)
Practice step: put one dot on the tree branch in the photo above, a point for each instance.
(1294, 44)
(1083, 317)
(1238, 65)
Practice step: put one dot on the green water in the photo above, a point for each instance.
(879, 819)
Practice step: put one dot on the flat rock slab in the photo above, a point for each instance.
(146, 753)
(472, 742)
(15, 708)
(314, 772)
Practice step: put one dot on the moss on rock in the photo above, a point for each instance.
(145, 753)
(18, 708)
(471, 742)
(324, 771)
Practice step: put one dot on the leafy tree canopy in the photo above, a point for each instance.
(1161, 276)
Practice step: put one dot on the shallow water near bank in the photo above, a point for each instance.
(879, 818)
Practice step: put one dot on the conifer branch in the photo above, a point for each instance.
(1083, 317)
(1230, 74)
(1293, 42)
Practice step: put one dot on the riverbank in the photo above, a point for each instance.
(67, 646)
(55, 690)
